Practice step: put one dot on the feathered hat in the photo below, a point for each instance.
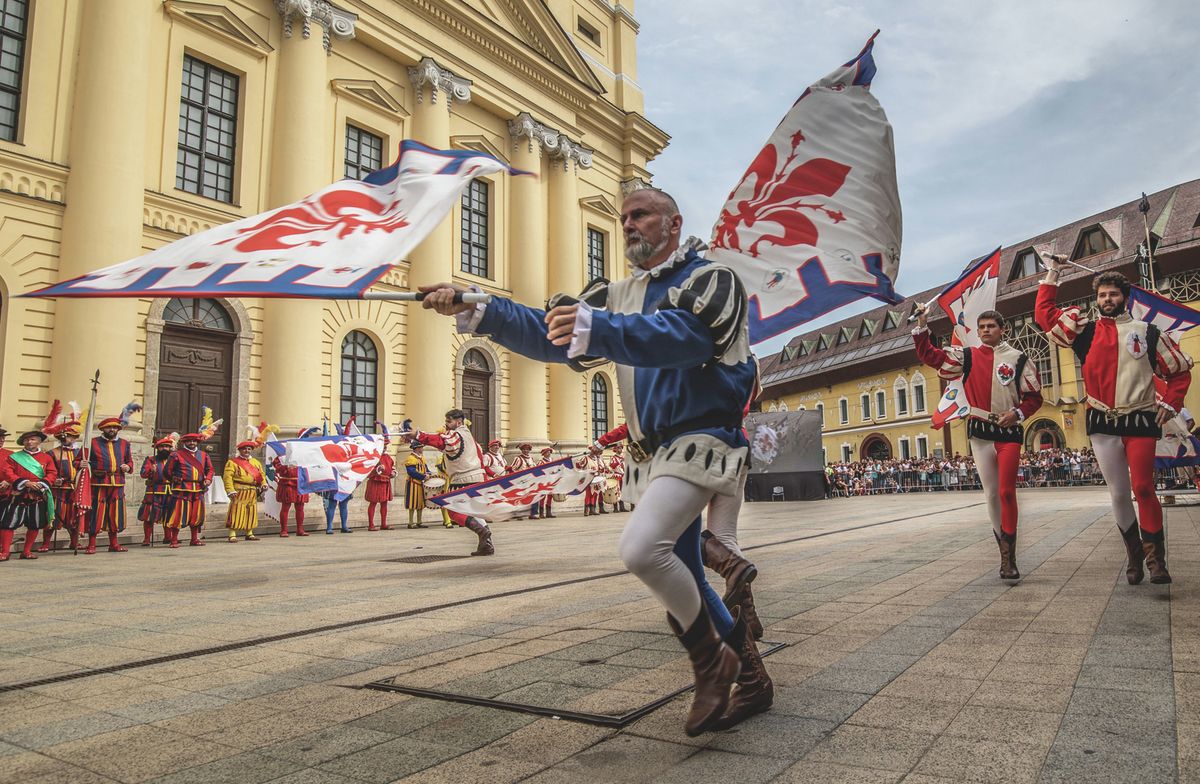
(258, 435)
(170, 441)
(57, 423)
(309, 432)
(387, 435)
(208, 426)
(121, 420)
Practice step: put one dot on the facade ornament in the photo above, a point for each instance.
(633, 184)
(335, 23)
(555, 144)
(428, 72)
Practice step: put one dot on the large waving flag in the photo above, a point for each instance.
(963, 300)
(1166, 314)
(815, 221)
(336, 464)
(333, 244)
(511, 495)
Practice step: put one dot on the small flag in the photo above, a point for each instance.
(336, 464)
(1166, 314)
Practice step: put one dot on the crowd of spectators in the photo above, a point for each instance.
(1046, 468)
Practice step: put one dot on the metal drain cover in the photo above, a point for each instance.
(424, 559)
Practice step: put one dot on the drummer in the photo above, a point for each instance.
(437, 481)
(544, 507)
(416, 473)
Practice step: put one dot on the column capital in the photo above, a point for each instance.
(553, 143)
(633, 184)
(428, 72)
(335, 23)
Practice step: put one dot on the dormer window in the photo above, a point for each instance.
(865, 330)
(823, 343)
(892, 320)
(1091, 242)
(1024, 265)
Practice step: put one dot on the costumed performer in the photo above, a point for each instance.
(110, 459)
(156, 503)
(464, 463)
(545, 507)
(287, 490)
(522, 460)
(379, 484)
(680, 322)
(1119, 357)
(244, 478)
(32, 474)
(190, 471)
(415, 473)
(66, 457)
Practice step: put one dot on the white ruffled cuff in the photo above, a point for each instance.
(467, 322)
(583, 332)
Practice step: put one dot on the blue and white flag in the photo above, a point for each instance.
(1166, 314)
(815, 222)
(330, 464)
(512, 494)
(333, 244)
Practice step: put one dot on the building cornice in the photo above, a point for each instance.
(335, 23)
(554, 144)
(428, 73)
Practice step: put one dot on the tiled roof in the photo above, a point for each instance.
(1174, 216)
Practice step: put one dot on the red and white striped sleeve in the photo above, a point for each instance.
(1061, 326)
(1175, 368)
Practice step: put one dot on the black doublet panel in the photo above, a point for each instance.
(1134, 423)
(990, 431)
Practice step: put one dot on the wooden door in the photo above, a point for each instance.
(476, 395)
(195, 370)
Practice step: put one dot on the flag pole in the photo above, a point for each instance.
(1144, 208)
(417, 296)
(83, 480)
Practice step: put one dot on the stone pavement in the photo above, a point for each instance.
(906, 658)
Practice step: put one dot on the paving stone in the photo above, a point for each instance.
(980, 759)
(872, 747)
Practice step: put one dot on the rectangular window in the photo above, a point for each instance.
(588, 32)
(865, 403)
(843, 411)
(905, 452)
(845, 453)
(821, 411)
(475, 204)
(14, 19)
(364, 152)
(919, 398)
(208, 105)
(880, 405)
(1044, 370)
(901, 402)
(595, 255)
(922, 447)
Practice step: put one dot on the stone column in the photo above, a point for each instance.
(527, 270)
(430, 342)
(102, 222)
(293, 339)
(568, 395)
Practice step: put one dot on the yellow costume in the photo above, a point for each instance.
(437, 464)
(243, 478)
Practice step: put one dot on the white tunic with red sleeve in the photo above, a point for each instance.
(997, 379)
(464, 458)
(1119, 357)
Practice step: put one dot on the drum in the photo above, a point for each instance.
(597, 482)
(612, 490)
(559, 498)
(434, 485)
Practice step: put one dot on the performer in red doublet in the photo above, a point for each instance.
(66, 458)
(156, 503)
(379, 486)
(1003, 390)
(464, 464)
(287, 493)
(110, 459)
(6, 535)
(545, 507)
(31, 474)
(190, 471)
(1119, 357)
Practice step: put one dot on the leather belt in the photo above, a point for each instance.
(644, 448)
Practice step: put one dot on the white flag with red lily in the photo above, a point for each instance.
(512, 495)
(332, 244)
(336, 464)
(815, 222)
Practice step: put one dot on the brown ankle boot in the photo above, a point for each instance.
(737, 571)
(1155, 548)
(485, 537)
(1134, 572)
(1008, 556)
(715, 667)
(750, 614)
(754, 691)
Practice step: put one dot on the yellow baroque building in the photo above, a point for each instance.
(127, 124)
(862, 373)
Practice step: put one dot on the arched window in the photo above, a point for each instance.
(199, 313)
(600, 424)
(360, 373)
(783, 406)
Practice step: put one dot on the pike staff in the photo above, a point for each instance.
(83, 482)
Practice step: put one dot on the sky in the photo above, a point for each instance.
(1010, 118)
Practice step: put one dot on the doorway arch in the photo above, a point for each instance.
(1044, 434)
(876, 447)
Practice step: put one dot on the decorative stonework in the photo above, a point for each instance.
(554, 144)
(335, 23)
(439, 79)
(633, 184)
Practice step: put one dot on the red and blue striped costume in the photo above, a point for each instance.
(156, 504)
(190, 474)
(107, 459)
(64, 494)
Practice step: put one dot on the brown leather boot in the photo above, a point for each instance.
(715, 667)
(1155, 548)
(737, 571)
(485, 537)
(754, 691)
(1008, 556)
(749, 613)
(1134, 572)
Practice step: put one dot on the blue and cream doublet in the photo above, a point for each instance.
(677, 334)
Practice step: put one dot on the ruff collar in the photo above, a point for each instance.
(674, 260)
